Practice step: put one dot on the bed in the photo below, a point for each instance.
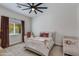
(39, 45)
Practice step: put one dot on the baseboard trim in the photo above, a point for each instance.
(15, 44)
(58, 45)
(67, 54)
(73, 37)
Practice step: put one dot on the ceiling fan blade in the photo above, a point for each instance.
(22, 5)
(35, 11)
(38, 4)
(29, 4)
(30, 11)
(26, 9)
(42, 7)
(19, 6)
(32, 4)
(39, 10)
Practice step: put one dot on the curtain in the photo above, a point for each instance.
(0, 34)
(4, 31)
(23, 30)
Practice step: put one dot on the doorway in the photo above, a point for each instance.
(15, 31)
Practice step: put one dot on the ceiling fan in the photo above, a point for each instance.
(32, 7)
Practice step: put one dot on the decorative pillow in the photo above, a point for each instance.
(28, 34)
(44, 34)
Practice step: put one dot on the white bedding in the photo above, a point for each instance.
(40, 45)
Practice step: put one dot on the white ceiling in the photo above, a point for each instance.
(13, 7)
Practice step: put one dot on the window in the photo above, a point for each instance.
(14, 29)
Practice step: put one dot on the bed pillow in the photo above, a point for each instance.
(44, 34)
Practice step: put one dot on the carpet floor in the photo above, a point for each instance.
(18, 50)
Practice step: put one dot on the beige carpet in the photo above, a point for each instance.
(56, 51)
(18, 50)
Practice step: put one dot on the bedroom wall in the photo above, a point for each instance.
(78, 20)
(59, 18)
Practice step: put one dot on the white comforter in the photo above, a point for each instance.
(40, 45)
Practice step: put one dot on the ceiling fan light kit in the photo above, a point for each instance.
(31, 7)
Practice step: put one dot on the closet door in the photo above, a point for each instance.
(4, 31)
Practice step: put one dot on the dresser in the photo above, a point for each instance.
(71, 46)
